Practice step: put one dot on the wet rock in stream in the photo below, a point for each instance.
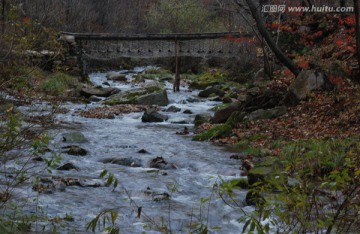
(152, 115)
(74, 137)
(173, 109)
(128, 162)
(75, 150)
(160, 163)
(68, 167)
(143, 151)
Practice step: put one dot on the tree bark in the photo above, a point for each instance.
(270, 41)
(357, 30)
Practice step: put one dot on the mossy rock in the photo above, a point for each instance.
(202, 118)
(266, 171)
(152, 95)
(209, 79)
(258, 174)
(235, 118)
(217, 131)
(218, 107)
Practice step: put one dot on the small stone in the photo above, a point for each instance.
(143, 151)
(173, 109)
(67, 167)
(187, 112)
(75, 150)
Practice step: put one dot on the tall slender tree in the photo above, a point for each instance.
(254, 10)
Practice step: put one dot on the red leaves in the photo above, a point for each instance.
(349, 21)
(25, 20)
(231, 38)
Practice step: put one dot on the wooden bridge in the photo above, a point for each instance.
(111, 46)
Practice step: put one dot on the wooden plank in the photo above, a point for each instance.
(153, 37)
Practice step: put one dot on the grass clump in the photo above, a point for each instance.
(58, 83)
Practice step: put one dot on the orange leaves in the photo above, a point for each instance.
(25, 20)
(304, 64)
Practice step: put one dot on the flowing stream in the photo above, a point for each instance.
(199, 166)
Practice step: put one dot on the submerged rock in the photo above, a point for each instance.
(74, 137)
(160, 163)
(128, 162)
(173, 109)
(143, 151)
(75, 150)
(68, 167)
(187, 111)
(151, 115)
(98, 91)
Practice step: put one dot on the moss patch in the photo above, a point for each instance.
(217, 131)
(209, 79)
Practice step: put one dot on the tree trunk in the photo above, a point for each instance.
(357, 31)
(270, 41)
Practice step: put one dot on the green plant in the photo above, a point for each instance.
(320, 194)
(58, 83)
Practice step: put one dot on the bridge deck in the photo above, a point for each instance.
(153, 37)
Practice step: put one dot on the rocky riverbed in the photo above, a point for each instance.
(156, 164)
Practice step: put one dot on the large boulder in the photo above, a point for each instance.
(153, 95)
(151, 115)
(159, 98)
(98, 91)
(265, 100)
(266, 114)
(211, 91)
(223, 114)
(305, 82)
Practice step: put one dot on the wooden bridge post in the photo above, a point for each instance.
(81, 62)
(176, 86)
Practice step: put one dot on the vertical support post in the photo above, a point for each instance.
(81, 63)
(176, 87)
(3, 4)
